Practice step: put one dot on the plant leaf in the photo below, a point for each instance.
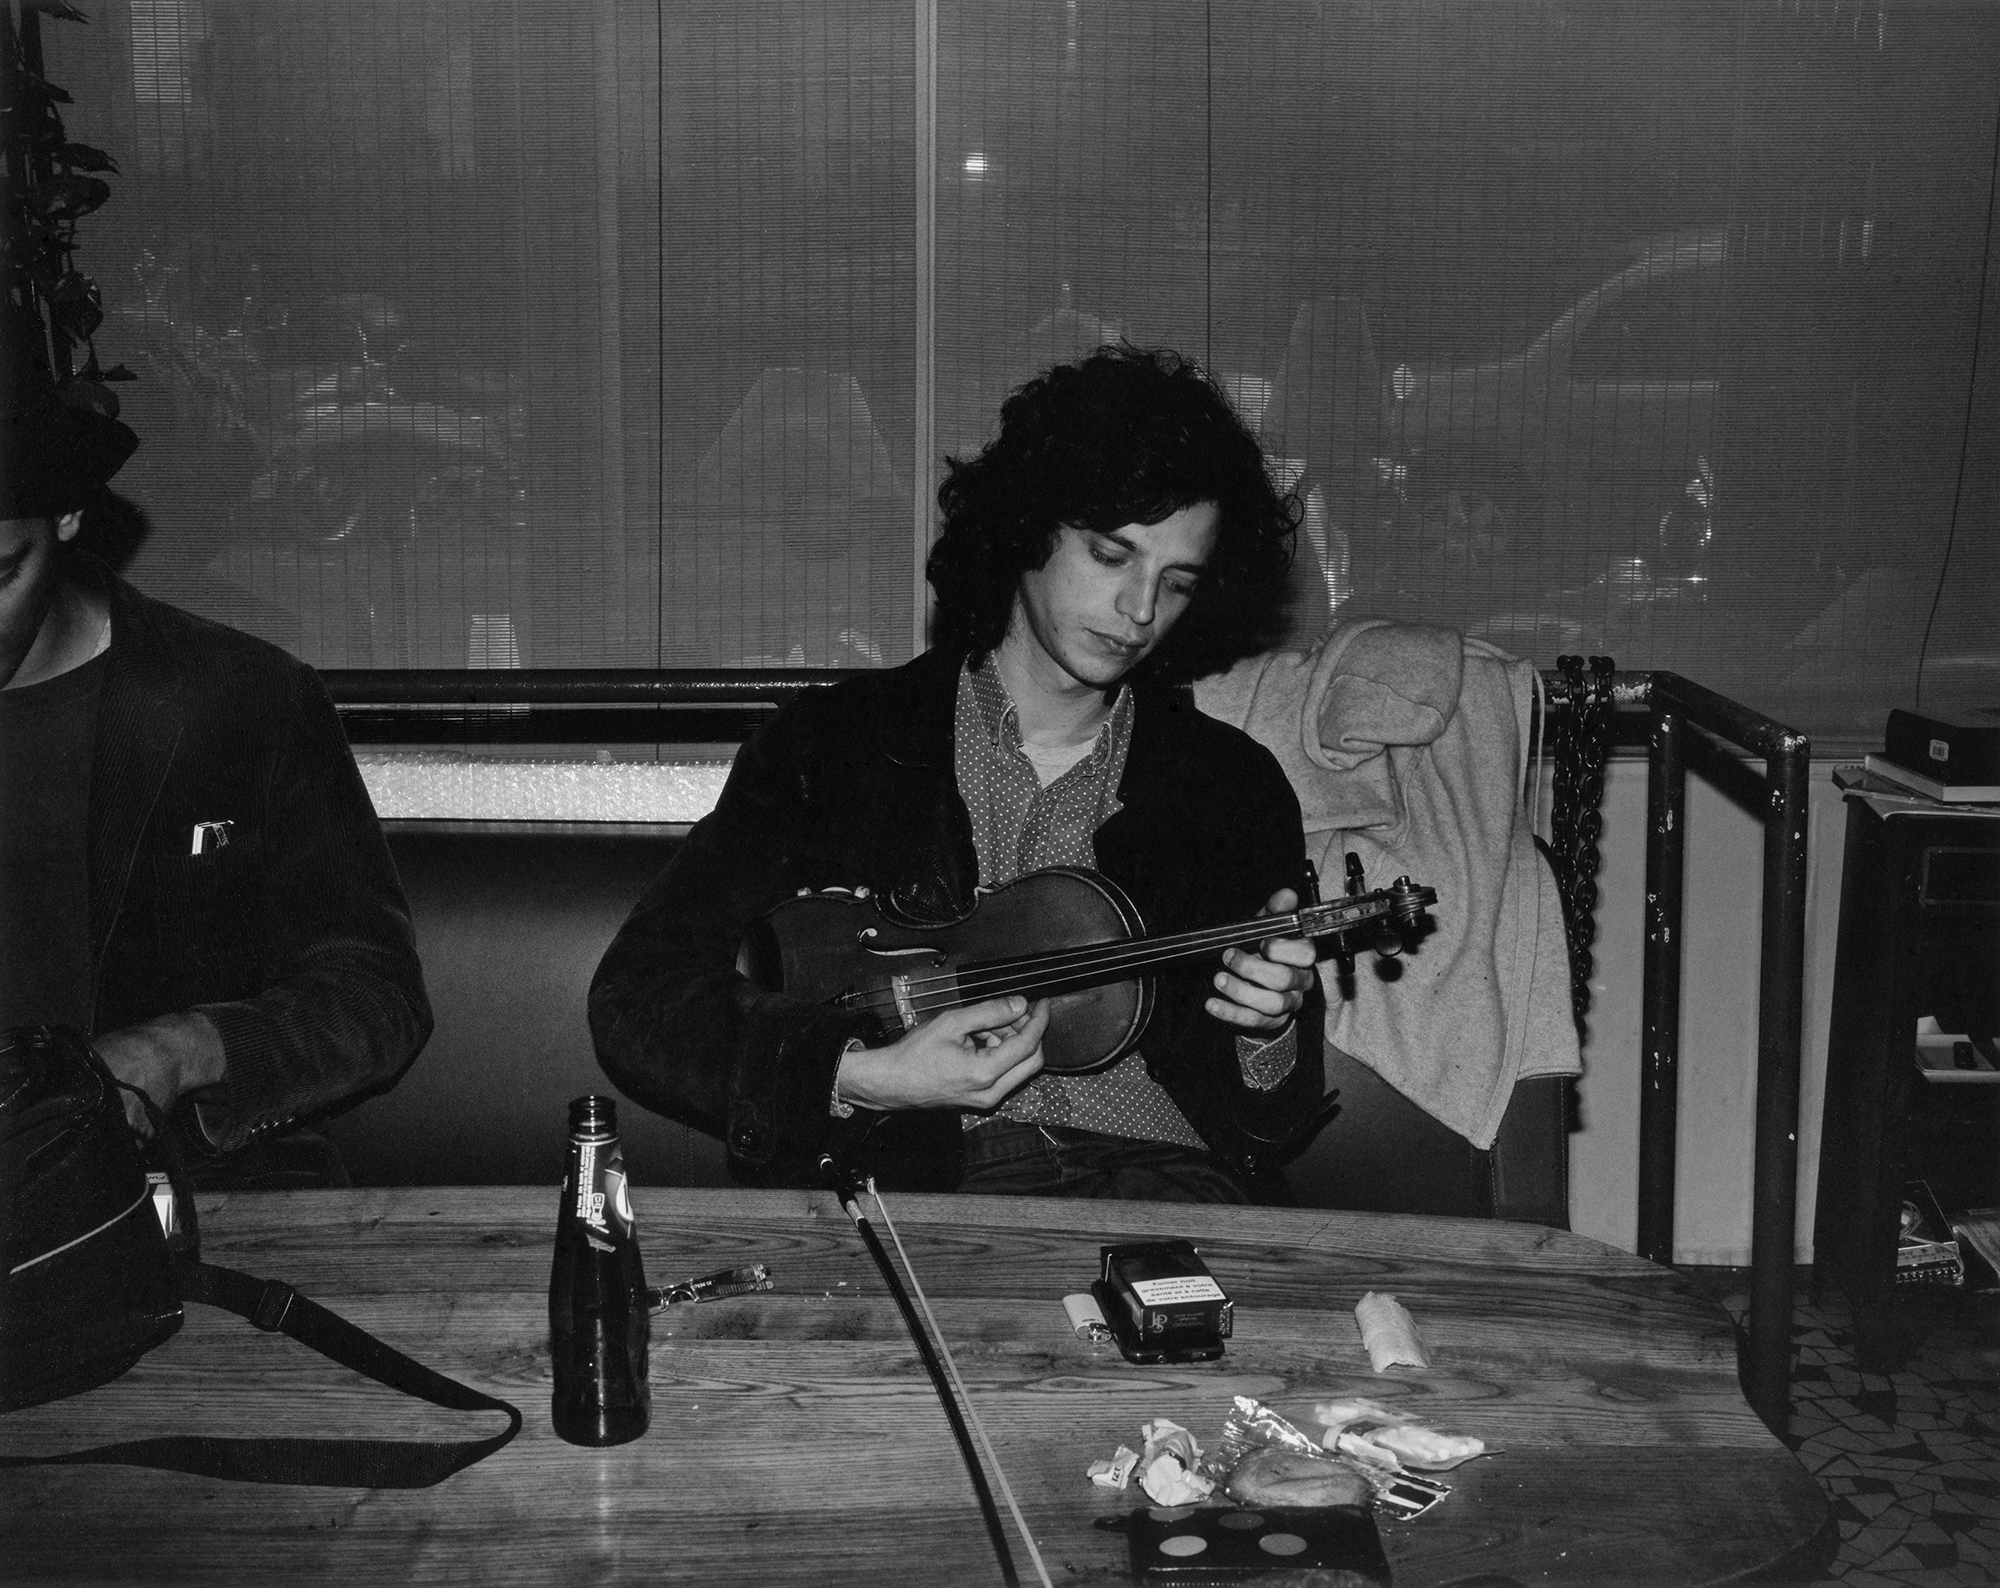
(67, 198)
(82, 157)
(41, 226)
(75, 284)
(60, 9)
(78, 316)
(92, 396)
(118, 372)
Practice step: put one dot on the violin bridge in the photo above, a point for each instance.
(906, 1009)
(919, 979)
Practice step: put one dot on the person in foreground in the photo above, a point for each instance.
(1121, 533)
(190, 869)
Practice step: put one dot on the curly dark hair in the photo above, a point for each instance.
(1124, 436)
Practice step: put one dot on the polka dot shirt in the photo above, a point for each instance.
(1019, 825)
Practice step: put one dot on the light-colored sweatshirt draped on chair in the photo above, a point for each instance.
(1407, 745)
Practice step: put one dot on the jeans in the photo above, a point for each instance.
(1006, 1158)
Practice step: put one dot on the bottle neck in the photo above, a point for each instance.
(594, 1117)
(595, 1192)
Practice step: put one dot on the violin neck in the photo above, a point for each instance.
(1070, 970)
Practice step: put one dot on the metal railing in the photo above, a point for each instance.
(1685, 722)
(1688, 722)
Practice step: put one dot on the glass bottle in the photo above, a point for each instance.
(599, 1325)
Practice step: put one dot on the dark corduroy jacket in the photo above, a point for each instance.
(854, 786)
(293, 937)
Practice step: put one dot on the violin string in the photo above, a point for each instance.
(945, 992)
(1052, 971)
(1117, 952)
(951, 995)
(958, 1382)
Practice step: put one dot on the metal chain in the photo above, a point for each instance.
(1579, 735)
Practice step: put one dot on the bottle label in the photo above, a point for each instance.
(603, 1204)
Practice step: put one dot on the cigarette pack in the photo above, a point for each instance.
(1162, 1303)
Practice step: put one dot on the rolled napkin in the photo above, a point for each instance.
(1389, 1332)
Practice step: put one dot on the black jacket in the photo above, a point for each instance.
(294, 937)
(854, 785)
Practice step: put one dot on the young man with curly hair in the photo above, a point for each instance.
(1118, 537)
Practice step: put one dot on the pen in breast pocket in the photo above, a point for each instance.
(210, 836)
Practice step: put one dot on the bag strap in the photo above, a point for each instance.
(275, 1306)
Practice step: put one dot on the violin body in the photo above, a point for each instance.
(837, 945)
(1065, 934)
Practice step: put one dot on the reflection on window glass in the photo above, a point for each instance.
(587, 334)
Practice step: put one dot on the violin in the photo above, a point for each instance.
(1066, 934)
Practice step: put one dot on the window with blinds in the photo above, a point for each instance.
(585, 334)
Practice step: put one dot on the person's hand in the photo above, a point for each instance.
(163, 1058)
(1261, 992)
(964, 1058)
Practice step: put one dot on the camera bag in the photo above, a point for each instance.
(89, 1283)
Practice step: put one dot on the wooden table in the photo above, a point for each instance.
(795, 1437)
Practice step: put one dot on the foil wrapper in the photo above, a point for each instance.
(1254, 1426)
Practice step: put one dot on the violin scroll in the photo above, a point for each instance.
(1408, 901)
(1399, 928)
(1405, 922)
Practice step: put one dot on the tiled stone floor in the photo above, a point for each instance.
(1910, 1461)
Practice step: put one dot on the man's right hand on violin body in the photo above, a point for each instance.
(969, 1058)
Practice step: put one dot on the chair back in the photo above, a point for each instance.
(1383, 1153)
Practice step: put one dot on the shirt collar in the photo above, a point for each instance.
(997, 716)
(1001, 721)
